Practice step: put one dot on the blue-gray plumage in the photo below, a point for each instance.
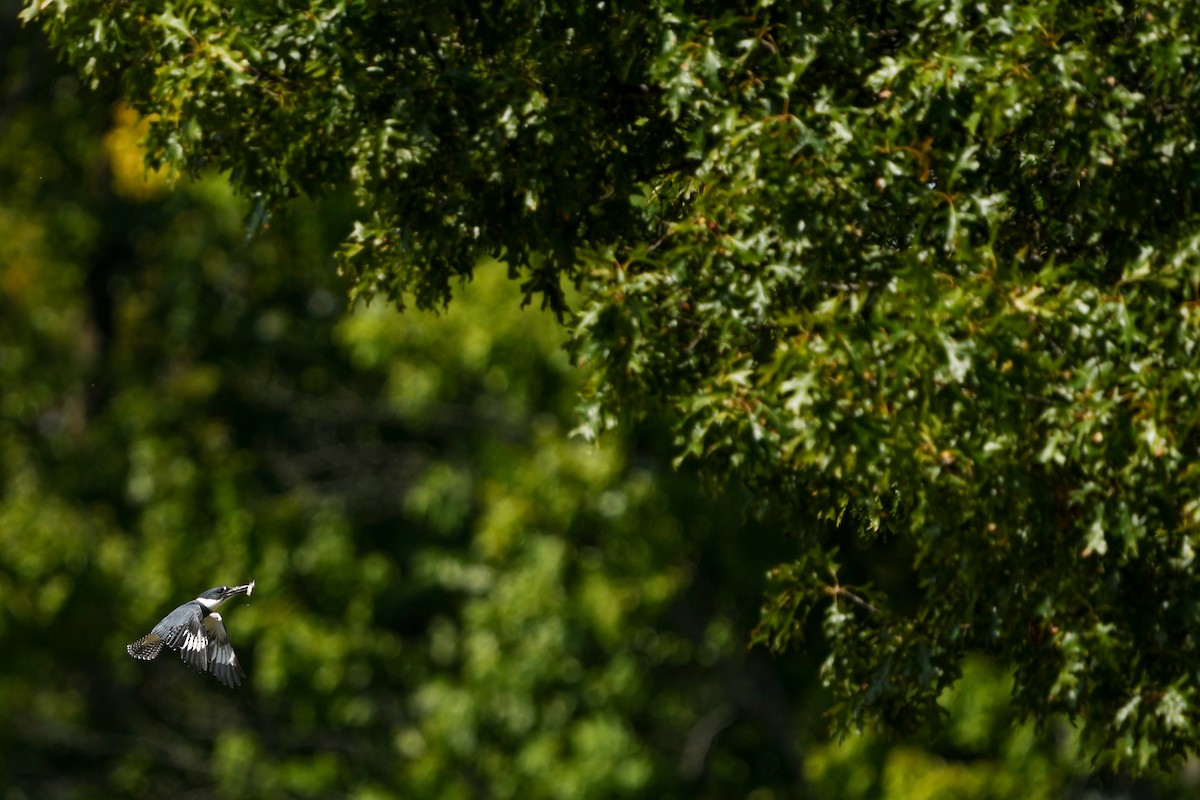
(197, 631)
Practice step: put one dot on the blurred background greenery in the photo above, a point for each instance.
(455, 598)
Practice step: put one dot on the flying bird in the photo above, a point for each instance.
(197, 631)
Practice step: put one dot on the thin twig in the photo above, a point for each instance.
(841, 591)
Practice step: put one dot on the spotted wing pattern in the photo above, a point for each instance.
(145, 648)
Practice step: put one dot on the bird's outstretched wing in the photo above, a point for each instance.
(222, 661)
(177, 630)
(183, 630)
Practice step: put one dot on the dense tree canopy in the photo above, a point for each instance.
(923, 276)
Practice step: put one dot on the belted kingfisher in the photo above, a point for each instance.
(195, 629)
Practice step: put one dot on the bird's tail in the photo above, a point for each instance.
(146, 647)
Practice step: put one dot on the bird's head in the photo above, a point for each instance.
(215, 597)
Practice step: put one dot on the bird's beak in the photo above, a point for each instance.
(246, 589)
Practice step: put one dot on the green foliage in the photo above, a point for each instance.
(922, 275)
(455, 598)
(395, 98)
